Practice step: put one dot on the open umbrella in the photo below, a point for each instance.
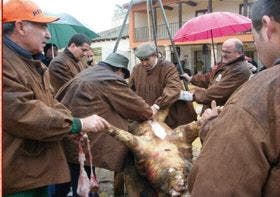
(216, 24)
(63, 29)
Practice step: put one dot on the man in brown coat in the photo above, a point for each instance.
(157, 82)
(222, 81)
(102, 90)
(34, 123)
(68, 64)
(240, 156)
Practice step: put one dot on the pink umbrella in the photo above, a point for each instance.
(216, 24)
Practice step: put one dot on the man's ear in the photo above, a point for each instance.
(72, 46)
(19, 27)
(269, 25)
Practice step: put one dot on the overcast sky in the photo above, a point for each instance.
(96, 14)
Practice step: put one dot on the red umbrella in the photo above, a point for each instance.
(216, 24)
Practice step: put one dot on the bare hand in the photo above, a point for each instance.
(209, 113)
(94, 123)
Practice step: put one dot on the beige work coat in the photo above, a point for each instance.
(64, 67)
(241, 150)
(34, 124)
(162, 86)
(98, 90)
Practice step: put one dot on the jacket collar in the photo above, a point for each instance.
(105, 65)
(21, 51)
(241, 58)
(277, 62)
(16, 48)
(70, 54)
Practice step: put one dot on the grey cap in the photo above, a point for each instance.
(119, 61)
(145, 50)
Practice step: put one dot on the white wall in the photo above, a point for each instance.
(108, 47)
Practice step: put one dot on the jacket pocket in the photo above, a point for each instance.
(32, 148)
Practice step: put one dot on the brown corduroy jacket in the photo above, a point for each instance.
(64, 67)
(34, 124)
(241, 151)
(98, 90)
(162, 86)
(219, 84)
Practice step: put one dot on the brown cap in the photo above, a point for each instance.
(27, 10)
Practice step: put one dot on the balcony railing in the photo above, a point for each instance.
(142, 33)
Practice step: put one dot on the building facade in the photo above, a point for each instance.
(178, 12)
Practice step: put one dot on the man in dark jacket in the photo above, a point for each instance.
(240, 156)
(223, 80)
(68, 64)
(34, 123)
(102, 90)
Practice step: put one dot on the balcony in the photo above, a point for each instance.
(142, 33)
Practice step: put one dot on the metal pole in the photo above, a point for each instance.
(153, 24)
(171, 40)
(213, 48)
(123, 26)
(148, 19)
(245, 7)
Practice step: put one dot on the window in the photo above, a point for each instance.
(249, 9)
(201, 12)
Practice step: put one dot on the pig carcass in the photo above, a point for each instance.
(162, 155)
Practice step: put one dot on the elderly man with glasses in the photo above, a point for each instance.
(224, 78)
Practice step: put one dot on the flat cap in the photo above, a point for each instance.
(145, 50)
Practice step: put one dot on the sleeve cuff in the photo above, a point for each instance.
(156, 106)
(76, 125)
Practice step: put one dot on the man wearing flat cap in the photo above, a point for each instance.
(102, 89)
(157, 81)
(34, 122)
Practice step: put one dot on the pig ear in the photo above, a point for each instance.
(161, 115)
(190, 131)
